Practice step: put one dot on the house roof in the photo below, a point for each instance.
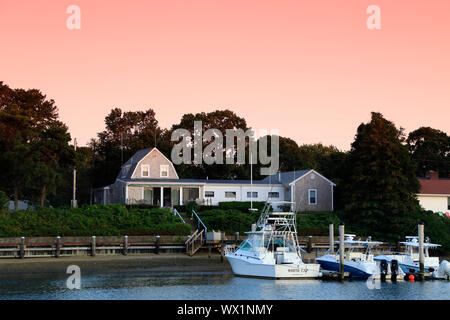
(285, 177)
(434, 186)
(203, 181)
(282, 178)
(138, 156)
(131, 163)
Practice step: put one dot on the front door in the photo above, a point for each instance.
(148, 195)
(157, 196)
(167, 198)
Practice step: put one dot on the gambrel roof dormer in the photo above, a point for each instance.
(148, 164)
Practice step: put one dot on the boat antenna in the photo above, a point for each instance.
(251, 181)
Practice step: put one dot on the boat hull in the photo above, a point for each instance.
(246, 268)
(357, 270)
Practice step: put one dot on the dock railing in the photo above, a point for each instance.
(200, 224)
(69, 246)
(175, 212)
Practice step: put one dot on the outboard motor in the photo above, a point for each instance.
(383, 269)
(394, 270)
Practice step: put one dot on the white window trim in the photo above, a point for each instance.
(277, 197)
(142, 170)
(213, 194)
(309, 197)
(235, 194)
(252, 196)
(161, 170)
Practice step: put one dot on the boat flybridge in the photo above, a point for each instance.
(359, 264)
(271, 249)
(409, 260)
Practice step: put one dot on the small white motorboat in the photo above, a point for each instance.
(358, 264)
(271, 249)
(409, 260)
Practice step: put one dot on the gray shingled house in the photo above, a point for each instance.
(148, 177)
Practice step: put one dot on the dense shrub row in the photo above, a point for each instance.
(229, 205)
(106, 220)
(437, 227)
(228, 220)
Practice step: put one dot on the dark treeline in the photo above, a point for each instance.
(376, 180)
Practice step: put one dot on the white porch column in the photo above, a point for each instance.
(162, 197)
(104, 196)
(181, 196)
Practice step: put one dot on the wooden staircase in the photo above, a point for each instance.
(195, 242)
(198, 238)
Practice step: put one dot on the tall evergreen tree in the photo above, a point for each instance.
(381, 186)
(430, 148)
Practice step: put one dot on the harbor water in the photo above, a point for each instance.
(209, 285)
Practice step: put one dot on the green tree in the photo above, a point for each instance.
(28, 149)
(430, 148)
(381, 187)
(220, 120)
(50, 154)
(4, 200)
(124, 134)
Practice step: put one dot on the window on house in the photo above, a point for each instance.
(230, 194)
(255, 195)
(190, 194)
(209, 194)
(145, 170)
(274, 194)
(312, 196)
(164, 171)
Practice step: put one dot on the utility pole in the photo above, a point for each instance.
(74, 198)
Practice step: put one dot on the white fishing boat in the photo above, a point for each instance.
(271, 249)
(358, 264)
(409, 260)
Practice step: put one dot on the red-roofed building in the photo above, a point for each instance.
(435, 193)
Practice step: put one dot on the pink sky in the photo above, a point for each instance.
(311, 69)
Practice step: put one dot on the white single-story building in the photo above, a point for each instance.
(148, 177)
(435, 193)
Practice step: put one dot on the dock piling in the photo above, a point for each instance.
(331, 231)
(309, 245)
(222, 245)
(58, 247)
(236, 236)
(421, 251)
(157, 245)
(341, 250)
(125, 245)
(93, 246)
(22, 248)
